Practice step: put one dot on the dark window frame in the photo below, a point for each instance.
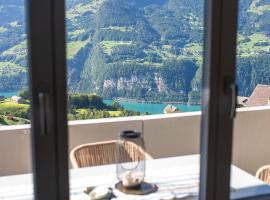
(47, 70)
(219, 99)
(217, 124)
(47, 61)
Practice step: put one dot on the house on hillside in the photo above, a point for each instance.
(242, 101)
(16, 99)
(260, 96)
(170, 109)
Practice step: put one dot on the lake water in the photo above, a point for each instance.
(9, 94)
(153, 108)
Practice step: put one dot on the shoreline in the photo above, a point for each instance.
(122, 99)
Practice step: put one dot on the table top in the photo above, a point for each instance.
(174, 176)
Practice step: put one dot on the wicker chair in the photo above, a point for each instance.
(103, 153)
(264, 174)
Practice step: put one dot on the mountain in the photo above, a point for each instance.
(139, 49)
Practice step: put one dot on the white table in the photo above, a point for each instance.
(175, 175)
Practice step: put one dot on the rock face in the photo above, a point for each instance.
(161, 86)
(108, 83)
(123, 83)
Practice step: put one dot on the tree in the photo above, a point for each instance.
(96, 101)
(78, 101)
(25, 94)
(116, 106)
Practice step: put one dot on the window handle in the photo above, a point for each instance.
(44, 112)
(233, 89)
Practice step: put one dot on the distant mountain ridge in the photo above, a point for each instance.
(138, 49)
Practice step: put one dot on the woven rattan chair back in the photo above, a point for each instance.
(264, 174)
(104, 153)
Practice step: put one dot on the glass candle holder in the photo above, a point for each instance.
(130, 158)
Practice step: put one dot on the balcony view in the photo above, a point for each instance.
(130, 58)
(135, 67)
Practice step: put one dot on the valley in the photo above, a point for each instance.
(138, 49)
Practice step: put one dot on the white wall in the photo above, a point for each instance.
(14, 150)
(251, 145)
(165, 135)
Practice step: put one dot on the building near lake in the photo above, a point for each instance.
(19, 100)
(260, 96)
(242, 101)
(170, 109)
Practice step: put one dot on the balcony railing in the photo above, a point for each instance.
(165, 136)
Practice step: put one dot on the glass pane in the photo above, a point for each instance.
(251, 128)
(15, 140)
(129, 60)
(138, 65)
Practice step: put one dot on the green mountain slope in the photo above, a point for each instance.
(139, 49)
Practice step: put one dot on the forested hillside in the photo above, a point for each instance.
(140, 49)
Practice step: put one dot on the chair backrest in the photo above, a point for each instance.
(103, 153)
(264, 174)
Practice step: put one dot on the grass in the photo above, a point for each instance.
(83, 112)
(14, 24)
(11, 113)
(19, 50)
(258, 10)
(194, 21)
(240, 38)
(249, 48)
(183, 57)
(115, 113)
(163, 53)
(11, 64)
(74, 47)
(167, 46)
(109, 45)
(5, 120)
(257, 37)
(10, 69)
(13, 106)
(2, 29)
(194, 50)
(77, 33)
(80, 9)
(151, 64)
(119, 28)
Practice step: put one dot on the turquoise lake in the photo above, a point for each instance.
(153, 108)
(9, 94)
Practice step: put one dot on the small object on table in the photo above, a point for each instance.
(99, 193)
(131, 179)
(142, 189)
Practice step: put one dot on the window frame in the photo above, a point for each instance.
(216, 126)
(219, 74)
(47, 64)
(47, 73)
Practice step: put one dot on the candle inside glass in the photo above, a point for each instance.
(130, 179)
